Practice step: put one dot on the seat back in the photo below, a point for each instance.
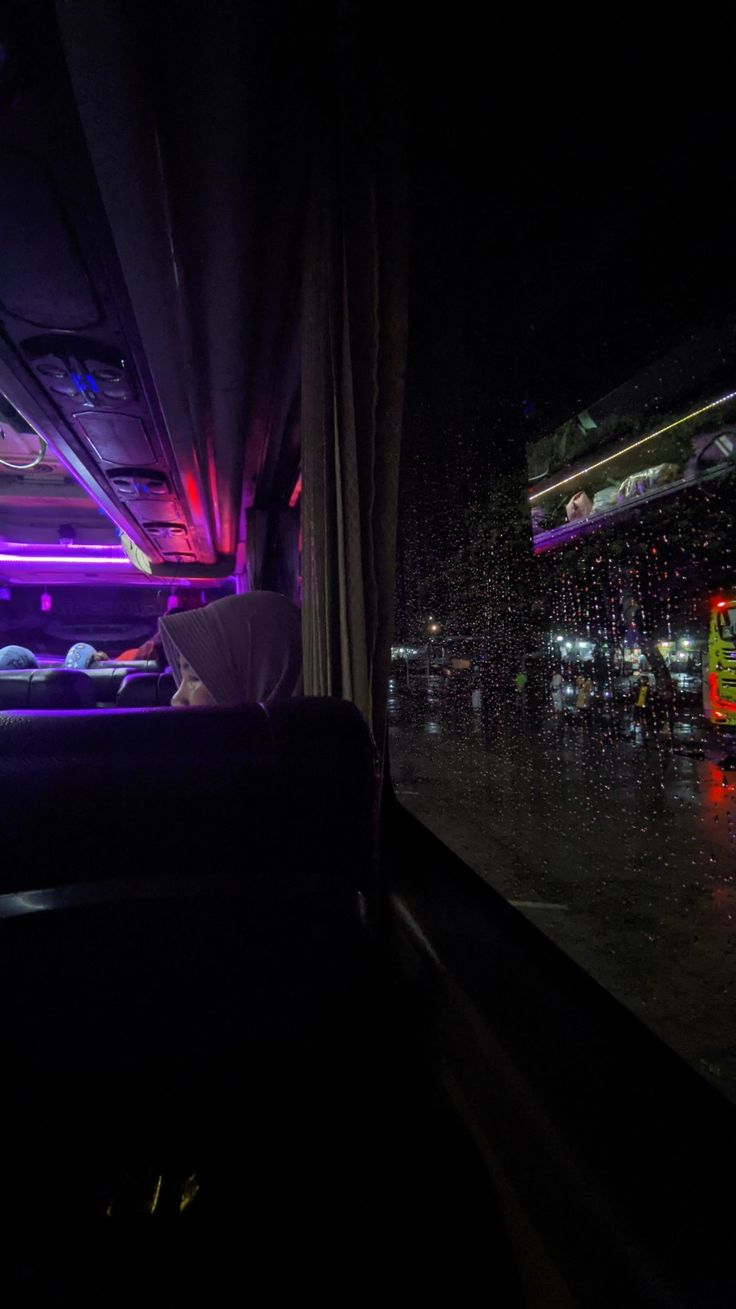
(194, 984)
(67, 688)
(278, 795)
(45, 688)
(145, 690)
(106, 681)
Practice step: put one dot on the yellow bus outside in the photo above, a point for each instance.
(719, 681)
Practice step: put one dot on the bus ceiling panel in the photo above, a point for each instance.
(272, 461)
(156, 509)
(45, 283)
(18, 494)
(178, 566)
(73, 359)
(184, 236)
(30, 401)
(118, 439)
(272, 449)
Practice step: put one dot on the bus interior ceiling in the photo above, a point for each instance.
(155, 345)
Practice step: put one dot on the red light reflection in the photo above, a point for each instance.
(720, 706)
(193, 496)
(294, 499)
(719, 790)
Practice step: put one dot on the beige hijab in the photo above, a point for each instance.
(244, 648)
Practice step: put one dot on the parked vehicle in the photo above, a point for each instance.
(719, 666)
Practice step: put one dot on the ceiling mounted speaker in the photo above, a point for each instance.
(81, 368)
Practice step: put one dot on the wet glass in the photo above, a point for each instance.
(554, 709)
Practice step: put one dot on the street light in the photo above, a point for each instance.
(433, 627)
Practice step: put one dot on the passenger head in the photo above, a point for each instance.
(237, 650)
(16, 656)
(154, 651)
(81, 655)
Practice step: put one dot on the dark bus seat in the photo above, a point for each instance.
(57, 687)
(131, 665)
(145, 690)
(128, 665)
(106, 681)
(45, 688)
(194, 984)
(127, 792)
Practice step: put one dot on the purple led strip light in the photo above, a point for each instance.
(82, 560)
(22, 547)
(20, 552)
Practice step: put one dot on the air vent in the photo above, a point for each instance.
(140, 484)
(165, 531)
(56, 372)
(81, 368)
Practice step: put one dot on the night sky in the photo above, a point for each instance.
(573, 216)
(573, 221)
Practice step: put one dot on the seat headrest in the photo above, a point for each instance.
(145, 690)
(106, 681)
(45, 688)
(131, 665)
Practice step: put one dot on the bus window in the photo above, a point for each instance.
(567, 516)
(726, 618)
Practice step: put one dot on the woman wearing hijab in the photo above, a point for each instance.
(234, 651)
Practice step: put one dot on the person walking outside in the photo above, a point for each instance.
(643, 707)
(584, 697)
(556, 694)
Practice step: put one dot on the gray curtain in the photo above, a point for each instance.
(354, 331)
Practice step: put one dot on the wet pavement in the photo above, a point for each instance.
(621, 849)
